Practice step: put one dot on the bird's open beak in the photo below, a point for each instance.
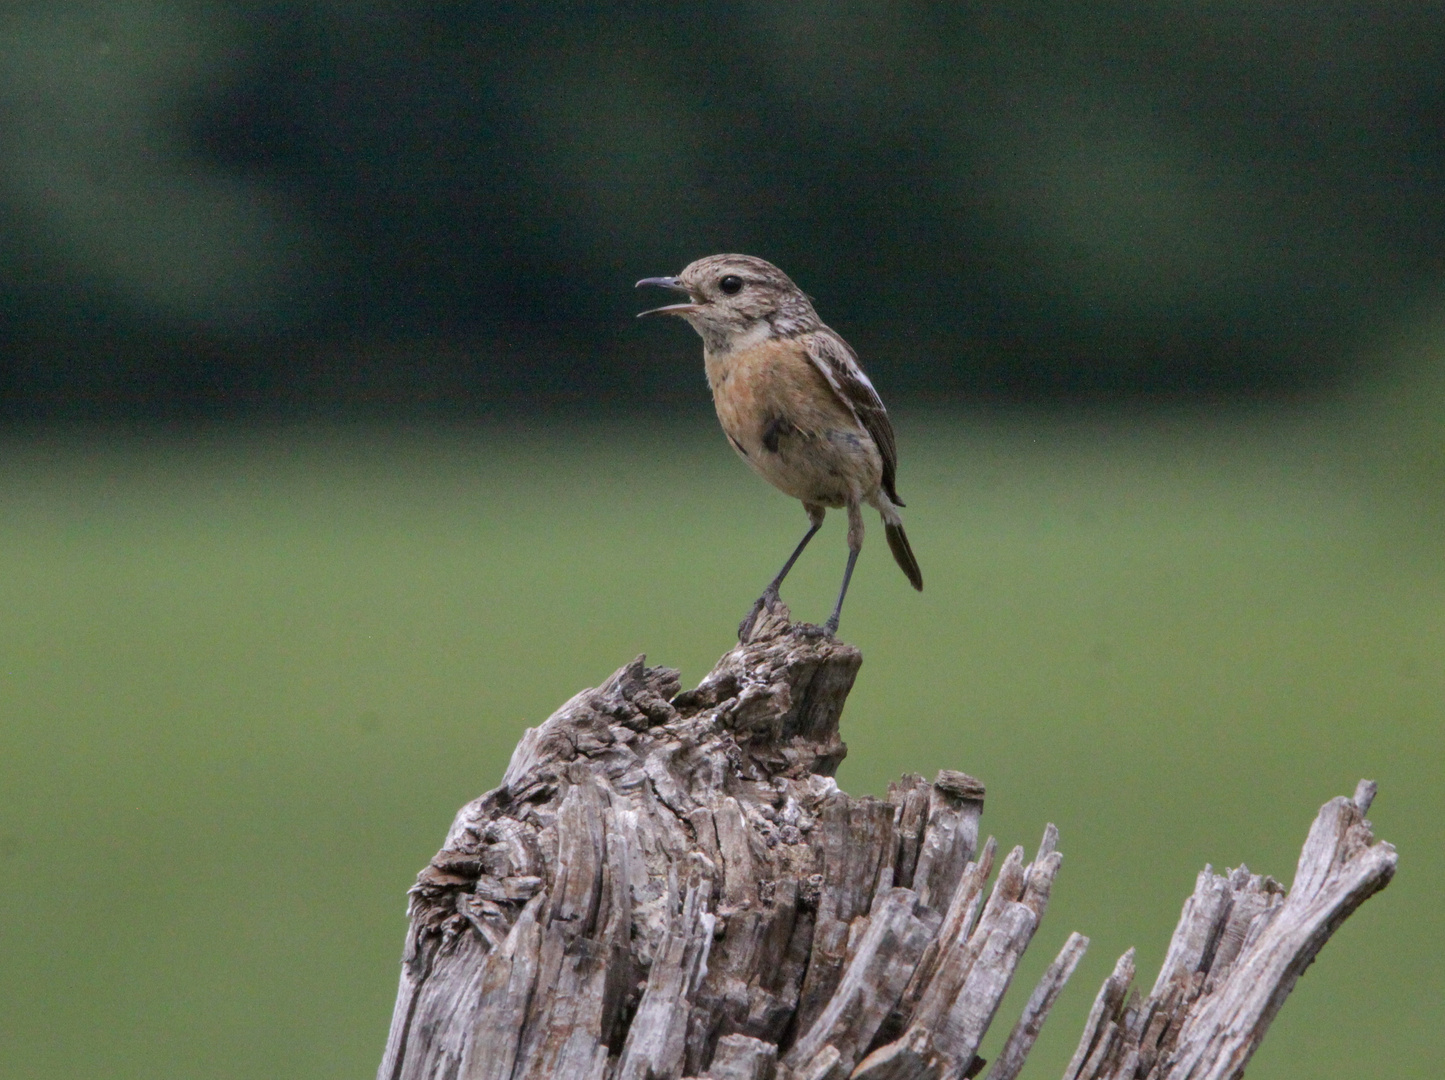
(670, 309)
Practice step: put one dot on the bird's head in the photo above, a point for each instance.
(737, 299)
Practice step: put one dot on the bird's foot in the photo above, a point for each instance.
(813, 630)
(763, 603)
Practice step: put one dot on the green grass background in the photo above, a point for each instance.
(246, 680)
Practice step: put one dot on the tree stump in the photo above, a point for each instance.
(670, 884)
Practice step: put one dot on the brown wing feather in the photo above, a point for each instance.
(836, 359)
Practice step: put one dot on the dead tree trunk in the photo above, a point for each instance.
(671, 884)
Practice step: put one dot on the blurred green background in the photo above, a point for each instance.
(331, 457)
(248, 678)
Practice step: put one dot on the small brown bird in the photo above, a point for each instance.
(794, 402)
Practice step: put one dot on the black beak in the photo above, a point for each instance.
(670, 309)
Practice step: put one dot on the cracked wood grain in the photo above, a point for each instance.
(1241, 944)
(670, 884)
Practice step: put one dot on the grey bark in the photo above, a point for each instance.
(670, 884)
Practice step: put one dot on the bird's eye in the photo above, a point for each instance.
(730, 284)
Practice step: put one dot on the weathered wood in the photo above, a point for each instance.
(740, 1057)
(1241, 945)
(670, 884)
(973, 969)
(1010, 1061)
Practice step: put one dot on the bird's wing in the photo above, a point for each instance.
(835, 358)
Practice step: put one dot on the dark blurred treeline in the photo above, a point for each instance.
(222, 209)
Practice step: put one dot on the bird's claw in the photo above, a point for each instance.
(763, 603)
(813, 630)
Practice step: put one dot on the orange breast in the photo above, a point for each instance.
(817, 451)
(775, 380)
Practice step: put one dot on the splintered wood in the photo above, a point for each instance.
(670, 884)
(1241, 945)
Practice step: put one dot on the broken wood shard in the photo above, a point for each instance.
(1241, 945)
(670, 884)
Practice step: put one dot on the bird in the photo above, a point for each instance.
(794, 402)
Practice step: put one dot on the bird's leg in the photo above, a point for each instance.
(815, 516)
(855, 545)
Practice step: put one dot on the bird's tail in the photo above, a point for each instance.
(898, 544)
